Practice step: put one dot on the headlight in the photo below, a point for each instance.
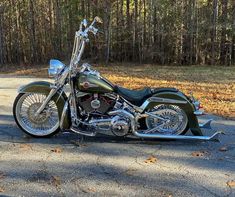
(55, 68)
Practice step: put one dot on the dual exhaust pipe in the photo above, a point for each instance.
(206, 125)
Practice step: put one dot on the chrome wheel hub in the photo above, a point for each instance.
(173, 120)
(41, 118)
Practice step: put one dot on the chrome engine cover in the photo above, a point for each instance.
(96, 103)
(120, 126)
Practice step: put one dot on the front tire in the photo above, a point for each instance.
(45, 124)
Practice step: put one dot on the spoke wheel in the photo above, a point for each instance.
(43, 125)
(172, 120)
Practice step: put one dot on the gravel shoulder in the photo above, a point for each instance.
(101, 166)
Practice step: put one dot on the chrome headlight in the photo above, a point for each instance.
(55, 68)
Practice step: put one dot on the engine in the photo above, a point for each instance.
(99, 107)
(97, 103)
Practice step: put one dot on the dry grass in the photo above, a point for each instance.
(213, 85)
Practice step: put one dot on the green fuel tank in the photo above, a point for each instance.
(93, 84)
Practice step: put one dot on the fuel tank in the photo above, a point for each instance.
(93, 83)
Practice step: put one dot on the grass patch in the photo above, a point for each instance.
(213, 85)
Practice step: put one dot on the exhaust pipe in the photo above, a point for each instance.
(206, 125)
(178, 137)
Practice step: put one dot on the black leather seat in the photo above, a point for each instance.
(136, 97)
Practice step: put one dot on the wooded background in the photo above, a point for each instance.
(181, 32)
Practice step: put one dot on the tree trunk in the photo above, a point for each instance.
(2, 55)
(223, 32)
(233, 34)
(58, 28)
(213, 32)
(33, 57)
(134, 44)
(107, 26)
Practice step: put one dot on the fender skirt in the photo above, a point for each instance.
(45, 88)
(179, 99)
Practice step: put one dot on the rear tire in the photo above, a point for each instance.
(179, 116)
(44, 125)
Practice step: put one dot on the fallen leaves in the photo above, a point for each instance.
(151, 160)
(199, 153)
(231, 183)
(56, 181)
(56, 150)
(91, 189)
(2, 189)
(2, 175)
(223, 149)
(26, 147)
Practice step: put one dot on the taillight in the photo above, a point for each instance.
(200, 106)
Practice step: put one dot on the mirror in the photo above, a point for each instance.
(84, 22)
(98, 19)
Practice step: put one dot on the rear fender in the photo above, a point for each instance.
(179, 99)
(59, 98)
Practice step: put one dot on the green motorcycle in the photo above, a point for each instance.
(93, 104)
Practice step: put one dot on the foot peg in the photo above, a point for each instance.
(206, 125)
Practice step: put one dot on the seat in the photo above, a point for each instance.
(136, 97)
(159, 90)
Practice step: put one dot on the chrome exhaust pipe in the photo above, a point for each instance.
(86, 133)
(178, 137)
(206, 125)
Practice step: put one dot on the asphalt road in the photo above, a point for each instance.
(104, 166)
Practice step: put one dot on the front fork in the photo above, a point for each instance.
(44, 104)
(73, 103)
(54, 90)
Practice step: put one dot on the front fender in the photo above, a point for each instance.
(45, 88)
(179, 99)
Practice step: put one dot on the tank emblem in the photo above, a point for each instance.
(87, 85)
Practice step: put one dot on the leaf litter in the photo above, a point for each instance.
(152, 159)
(56, 150)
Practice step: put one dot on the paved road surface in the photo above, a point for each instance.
(104, 166)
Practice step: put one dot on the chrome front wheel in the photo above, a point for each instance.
(172, 120)
(43, 125)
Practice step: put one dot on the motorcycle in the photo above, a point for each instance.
(95, 105)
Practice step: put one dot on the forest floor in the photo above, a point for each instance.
(214, 86)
